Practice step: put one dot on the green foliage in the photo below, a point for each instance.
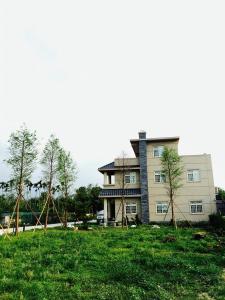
(217, 221)
(221, 194)
(7, 203)
(111, 264)
(87, 201)
(49, 158)
(23, 154)
(172, 169)
(66, 171)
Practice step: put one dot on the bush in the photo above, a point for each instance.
(217, 221)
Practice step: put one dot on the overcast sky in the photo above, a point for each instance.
(94, 73)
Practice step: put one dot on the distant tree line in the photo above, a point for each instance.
(84, 201)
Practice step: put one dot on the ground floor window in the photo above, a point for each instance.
(196, 207)
(131, 208)
(162, 207)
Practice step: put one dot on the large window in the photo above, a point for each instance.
(159, 177)
(162, 207)
(158, 151)
(131, 208)
(196, 207)
(130, 178)
(193, 175)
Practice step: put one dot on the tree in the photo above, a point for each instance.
(172, 170)
(122, 183)
(49, 162)
(96, 204)
(23, 155)
(221, 194)
(66, 172)
(86, 200)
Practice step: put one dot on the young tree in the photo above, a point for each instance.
(66, 173)
(23, 154)
(122, 183)
(49, 162)
(172, 170)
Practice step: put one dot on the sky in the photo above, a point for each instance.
(95, 73)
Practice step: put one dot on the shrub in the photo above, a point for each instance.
(217, 221)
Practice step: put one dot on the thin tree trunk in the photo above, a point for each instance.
(49, 196)
(122, 212)
(173, 214)
(47, 212)
(172, 200)
(65, 218)
(20, 190)
(17, 217)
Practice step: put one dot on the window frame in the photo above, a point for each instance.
(189, 172)
(161, 176)
(196, 203)
(130, 205)
(162, 203)
(160, 153)
(130, 175)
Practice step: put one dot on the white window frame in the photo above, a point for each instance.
(160, 150)
(164, 210)
(160, 173)
(132, 178)
(130, 206)
(191, 172)
(196, 203)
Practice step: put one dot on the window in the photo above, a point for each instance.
(196, 207)
(193, 175)
(160, 177)
(158, 151)
(130, 178)
(131, 208)
(162, 207)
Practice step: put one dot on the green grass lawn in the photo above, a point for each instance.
(112, 264)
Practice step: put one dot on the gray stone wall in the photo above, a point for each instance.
(143, 178)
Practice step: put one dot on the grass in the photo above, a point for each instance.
(141, 263)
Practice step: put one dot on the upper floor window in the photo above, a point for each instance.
(196, 207)
(193, 175)
(131, 208)
(160, 177)
(162, 207)
(130, 178)
(158, 151)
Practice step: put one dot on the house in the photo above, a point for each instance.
(5, 218)
(140, 182)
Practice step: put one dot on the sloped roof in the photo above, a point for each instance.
(107, 167)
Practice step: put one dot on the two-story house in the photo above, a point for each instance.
(140, 182)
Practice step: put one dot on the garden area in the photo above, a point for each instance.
(113, 263)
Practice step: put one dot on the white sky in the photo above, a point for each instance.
(96, 72)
